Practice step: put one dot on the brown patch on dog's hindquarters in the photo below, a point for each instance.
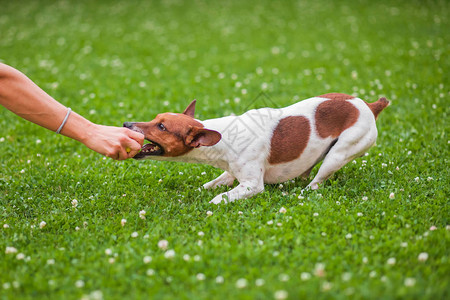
(334, 116)
(336, 96)
(289, 139)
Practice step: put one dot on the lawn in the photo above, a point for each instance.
(378, 229)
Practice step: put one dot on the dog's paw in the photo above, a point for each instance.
(208, 185)
(219, 199)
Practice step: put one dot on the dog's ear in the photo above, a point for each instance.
(190, 110)
(202, 137)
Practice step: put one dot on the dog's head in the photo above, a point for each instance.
(173, 134)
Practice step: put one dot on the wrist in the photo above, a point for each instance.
(78, 128)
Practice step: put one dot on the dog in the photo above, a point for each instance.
(266, 145)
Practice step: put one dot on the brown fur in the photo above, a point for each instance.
(378, 106)
(337, 96)
(334, 116)
(182, 133)
(289, 139)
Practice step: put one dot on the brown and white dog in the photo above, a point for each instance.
(266, 145)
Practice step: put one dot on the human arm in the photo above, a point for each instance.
(23, 97)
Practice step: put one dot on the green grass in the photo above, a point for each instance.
(121, 61)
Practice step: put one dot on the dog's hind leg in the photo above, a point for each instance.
(351, 144)
(224, 179)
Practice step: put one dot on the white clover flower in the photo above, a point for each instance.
(147, 259)
(315, 214)
(417, 179)
(163, 244)
(142, 214)
(305, 276)
(365, 198)
(282, 210)
(283, 277)
(123, 222)
(240, 213)
(281, 295)
(373, 274)
(6, 285)
(111, 260)
(150, 272)
(201, 233)
(365, 260)
(404, 244)
(429, 178)
(108, 251)
(410, 282)
(346, 276)
(279, 224)
(391, 196)
(200, 276)
(77, 228)
(134, 234)
(79, 284)
(423, 257)
(6, 226)
(42, 224)
(220, 279)
(300, 197)
(74, 203)
(20, 256)
(197, 257)
(260, 242)
(360, 214)
(169, 254)
(241, 283)
(186, 257)
(260, 282)
(319, 270)
(432, 228)
(391, 261)
(10, 250)
(209, 213)
(269, 222)
(326, 286)
(348, 236)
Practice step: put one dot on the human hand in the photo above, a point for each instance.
(114, 141)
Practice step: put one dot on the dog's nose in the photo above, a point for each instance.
(128, 124)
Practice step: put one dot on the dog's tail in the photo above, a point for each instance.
(378, 106)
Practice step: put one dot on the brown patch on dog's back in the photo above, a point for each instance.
(337, 96)
(334, 116)
(289, 139)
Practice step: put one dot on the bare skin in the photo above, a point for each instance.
(23, 97)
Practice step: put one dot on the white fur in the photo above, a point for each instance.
(244, 149)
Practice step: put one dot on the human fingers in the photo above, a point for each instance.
(133, 148)
(137, 136)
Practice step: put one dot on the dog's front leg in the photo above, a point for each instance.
(224, 179)
(250, 183)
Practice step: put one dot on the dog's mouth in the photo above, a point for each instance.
(150, 148)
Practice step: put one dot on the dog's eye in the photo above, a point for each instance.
(162, 127)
